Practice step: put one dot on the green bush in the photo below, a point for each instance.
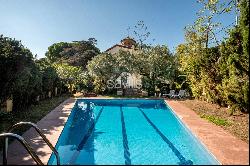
(21, 78)
(219, 74)
(19, 75)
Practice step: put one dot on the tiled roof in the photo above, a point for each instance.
(119, 45)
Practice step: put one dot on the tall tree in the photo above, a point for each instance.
(218, 74)
(234, 63)
(55, 50)
(141, 34)
(19, 75)
(76, 53)
(70, 75)
(80, 53)
(106, 67)
(156, 65)
(206, 24)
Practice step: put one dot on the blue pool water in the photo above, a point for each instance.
(127, 131)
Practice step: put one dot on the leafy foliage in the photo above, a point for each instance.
(70, 75)
(54, 51)
(106, 67)
(20, 78)
(70, 61)
(77, 53)
(155, 64)
(219, 74)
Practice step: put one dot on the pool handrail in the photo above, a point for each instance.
(23, 142)
(39, 131)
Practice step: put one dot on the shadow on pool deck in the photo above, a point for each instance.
(52, 125)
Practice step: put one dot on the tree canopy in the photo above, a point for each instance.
(76, 53)
(155, 64)
(20, 78)
(219, 74)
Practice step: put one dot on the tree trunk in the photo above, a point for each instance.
(55, 91)
(49, 94)
(9, 103)
(38, 98)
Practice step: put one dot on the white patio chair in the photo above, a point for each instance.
(181, 94)
(170, 94)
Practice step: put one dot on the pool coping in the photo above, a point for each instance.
(194, 136)
(226, 148)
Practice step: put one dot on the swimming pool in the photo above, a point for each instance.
(127, 131)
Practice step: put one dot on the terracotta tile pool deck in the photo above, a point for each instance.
(228, 149)
(225, 147)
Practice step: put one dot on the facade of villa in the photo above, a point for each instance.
(133, 80)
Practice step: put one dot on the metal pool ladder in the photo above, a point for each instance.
(25, 143)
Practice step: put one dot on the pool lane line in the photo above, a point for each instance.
(85, 138)
(182, 159)
(125, 140)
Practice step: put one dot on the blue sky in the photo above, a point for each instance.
(40, 23)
